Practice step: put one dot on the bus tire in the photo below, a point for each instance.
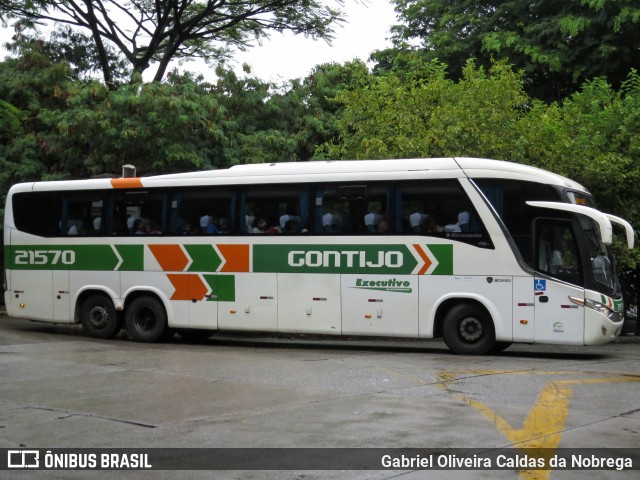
(99, 317)
(500, 347)
(146, 319)
(468, 330)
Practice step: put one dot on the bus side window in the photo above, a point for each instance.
(137, 212)
(352, 209)
(439, 208)
(274, 210)
(81, 213)
(508, 198)
(36, 213)
(331, 212)
(201, 211)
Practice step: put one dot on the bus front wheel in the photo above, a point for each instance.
(99, 317)
(146, 319)
(468, 330)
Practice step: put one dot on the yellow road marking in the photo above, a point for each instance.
(545, 421)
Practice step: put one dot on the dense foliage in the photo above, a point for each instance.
(557, 44)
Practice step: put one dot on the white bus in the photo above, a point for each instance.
(482, 253)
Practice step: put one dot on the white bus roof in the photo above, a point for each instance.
(325, 167)
(483, 168)
(336, 170)
(471, 167)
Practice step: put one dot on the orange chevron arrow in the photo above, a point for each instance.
(425, 258)
(170, 257)
(187, 287)
(236, 258)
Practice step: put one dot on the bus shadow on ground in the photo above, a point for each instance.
(269, 340)
(376, 344)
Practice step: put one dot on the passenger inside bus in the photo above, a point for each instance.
(373, 218)
(383, 227)
(461, 226)
(331, 222)
(261, 226)
(417, 221)
(287, 217)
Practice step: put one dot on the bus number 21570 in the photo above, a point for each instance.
(45, 257)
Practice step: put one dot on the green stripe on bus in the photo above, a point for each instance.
(369, 259)
(315, 258)
(205, 258)
(444, 256)
(223, 287)
(75, 257)
(132, 257)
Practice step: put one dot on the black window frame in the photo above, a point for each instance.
(368, 215)
(385, 195)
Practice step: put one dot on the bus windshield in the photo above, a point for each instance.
(600, 257)
(509, 199)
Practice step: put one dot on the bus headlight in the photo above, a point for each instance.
(598, 307)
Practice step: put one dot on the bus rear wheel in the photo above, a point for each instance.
(99, 317)
(146, 319)
(468, 330)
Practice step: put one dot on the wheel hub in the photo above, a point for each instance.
(471, 329)
(145, 319)
(99, 317)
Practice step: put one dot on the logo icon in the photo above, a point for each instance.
(23, 459)
(540, 285)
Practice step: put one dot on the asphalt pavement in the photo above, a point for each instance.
(60, 389)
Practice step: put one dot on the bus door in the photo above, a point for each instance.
(558, 276)
(380, 305)
(309, 303)
(32, 292)
(523, 309)
(254, 304)
(37, 291)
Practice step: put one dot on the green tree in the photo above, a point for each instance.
(602, 125)
(256, 131)
(29, 86)
(265, 122)
(148, 33)
(558, 45)
(9, 120)
(159, 127)
(73, 129)
(423, 113)
(66, 45)
(319, 93)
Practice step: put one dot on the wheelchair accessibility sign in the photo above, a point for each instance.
(540, 285)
